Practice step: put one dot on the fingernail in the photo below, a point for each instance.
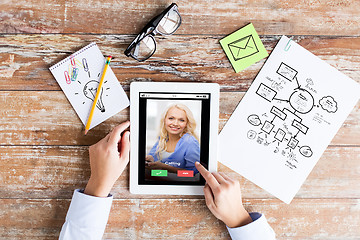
(197, 163)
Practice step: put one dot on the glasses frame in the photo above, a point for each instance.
(150, 30)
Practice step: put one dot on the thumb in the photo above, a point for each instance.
(125, 146)
(115, 135)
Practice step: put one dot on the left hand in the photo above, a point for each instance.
(108, 159)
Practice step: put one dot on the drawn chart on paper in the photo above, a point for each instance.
(286, 120)
(78, 76)
(279, 128)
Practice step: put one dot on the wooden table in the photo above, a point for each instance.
(44, 155)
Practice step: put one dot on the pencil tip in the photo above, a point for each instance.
(86, 131)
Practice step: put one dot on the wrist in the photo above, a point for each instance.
(96, 188)
(242, 219)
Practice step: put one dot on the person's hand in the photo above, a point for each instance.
(155, 165)
(108, 159)
(223, 198)
(149, 158)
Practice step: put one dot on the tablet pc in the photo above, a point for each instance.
(173, 125)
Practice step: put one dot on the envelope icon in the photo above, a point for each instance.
(243, 47)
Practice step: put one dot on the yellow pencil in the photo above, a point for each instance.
(87, 127)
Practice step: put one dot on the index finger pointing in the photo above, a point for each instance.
(210, 179)
(115, 135)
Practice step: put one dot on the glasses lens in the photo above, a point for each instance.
(144, 49)
(170, 22)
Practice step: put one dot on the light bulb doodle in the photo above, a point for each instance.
(90, 90)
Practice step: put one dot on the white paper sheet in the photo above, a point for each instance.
(286, 120)
(78, 76)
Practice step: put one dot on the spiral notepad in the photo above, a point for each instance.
(78, 76)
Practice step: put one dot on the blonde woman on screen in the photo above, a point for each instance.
(178, 145)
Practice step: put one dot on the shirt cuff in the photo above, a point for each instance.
(89, 211)
(259, 228)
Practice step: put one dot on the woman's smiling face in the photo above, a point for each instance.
(175, 121)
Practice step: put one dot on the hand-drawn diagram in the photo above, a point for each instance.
(254, 120)
(329, 104)
(243, 47)
(90, 88)
(251, 134)
(283, 124)
(78, 76)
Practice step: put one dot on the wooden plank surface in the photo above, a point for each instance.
(320, 17)
(25, 59)
(44, 155)
(185, 219)
(54, 171)
(47, 118)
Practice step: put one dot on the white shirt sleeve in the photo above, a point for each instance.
(86, 218)
(259, 228)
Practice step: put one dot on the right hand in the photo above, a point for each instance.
(223, 198)
(149, 158)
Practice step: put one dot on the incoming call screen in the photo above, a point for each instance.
(173, 135)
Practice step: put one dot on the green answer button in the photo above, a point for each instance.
(159, 173)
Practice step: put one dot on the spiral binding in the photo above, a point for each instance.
(73, 55)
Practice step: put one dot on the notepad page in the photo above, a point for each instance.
(78, 76)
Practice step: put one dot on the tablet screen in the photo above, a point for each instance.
(173, 135)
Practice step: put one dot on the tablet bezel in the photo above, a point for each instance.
(158, 87)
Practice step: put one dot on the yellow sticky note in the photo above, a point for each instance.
(243, 47)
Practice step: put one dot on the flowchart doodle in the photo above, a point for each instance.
(266, 92)
(282, 126)
(287, 72)
(287, 119)
(254, 120)
(328, 104)
(251, 134)
(306, 151)
(301, 100)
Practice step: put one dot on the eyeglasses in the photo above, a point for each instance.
(144, 45)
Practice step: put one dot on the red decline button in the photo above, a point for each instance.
(185, 173)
